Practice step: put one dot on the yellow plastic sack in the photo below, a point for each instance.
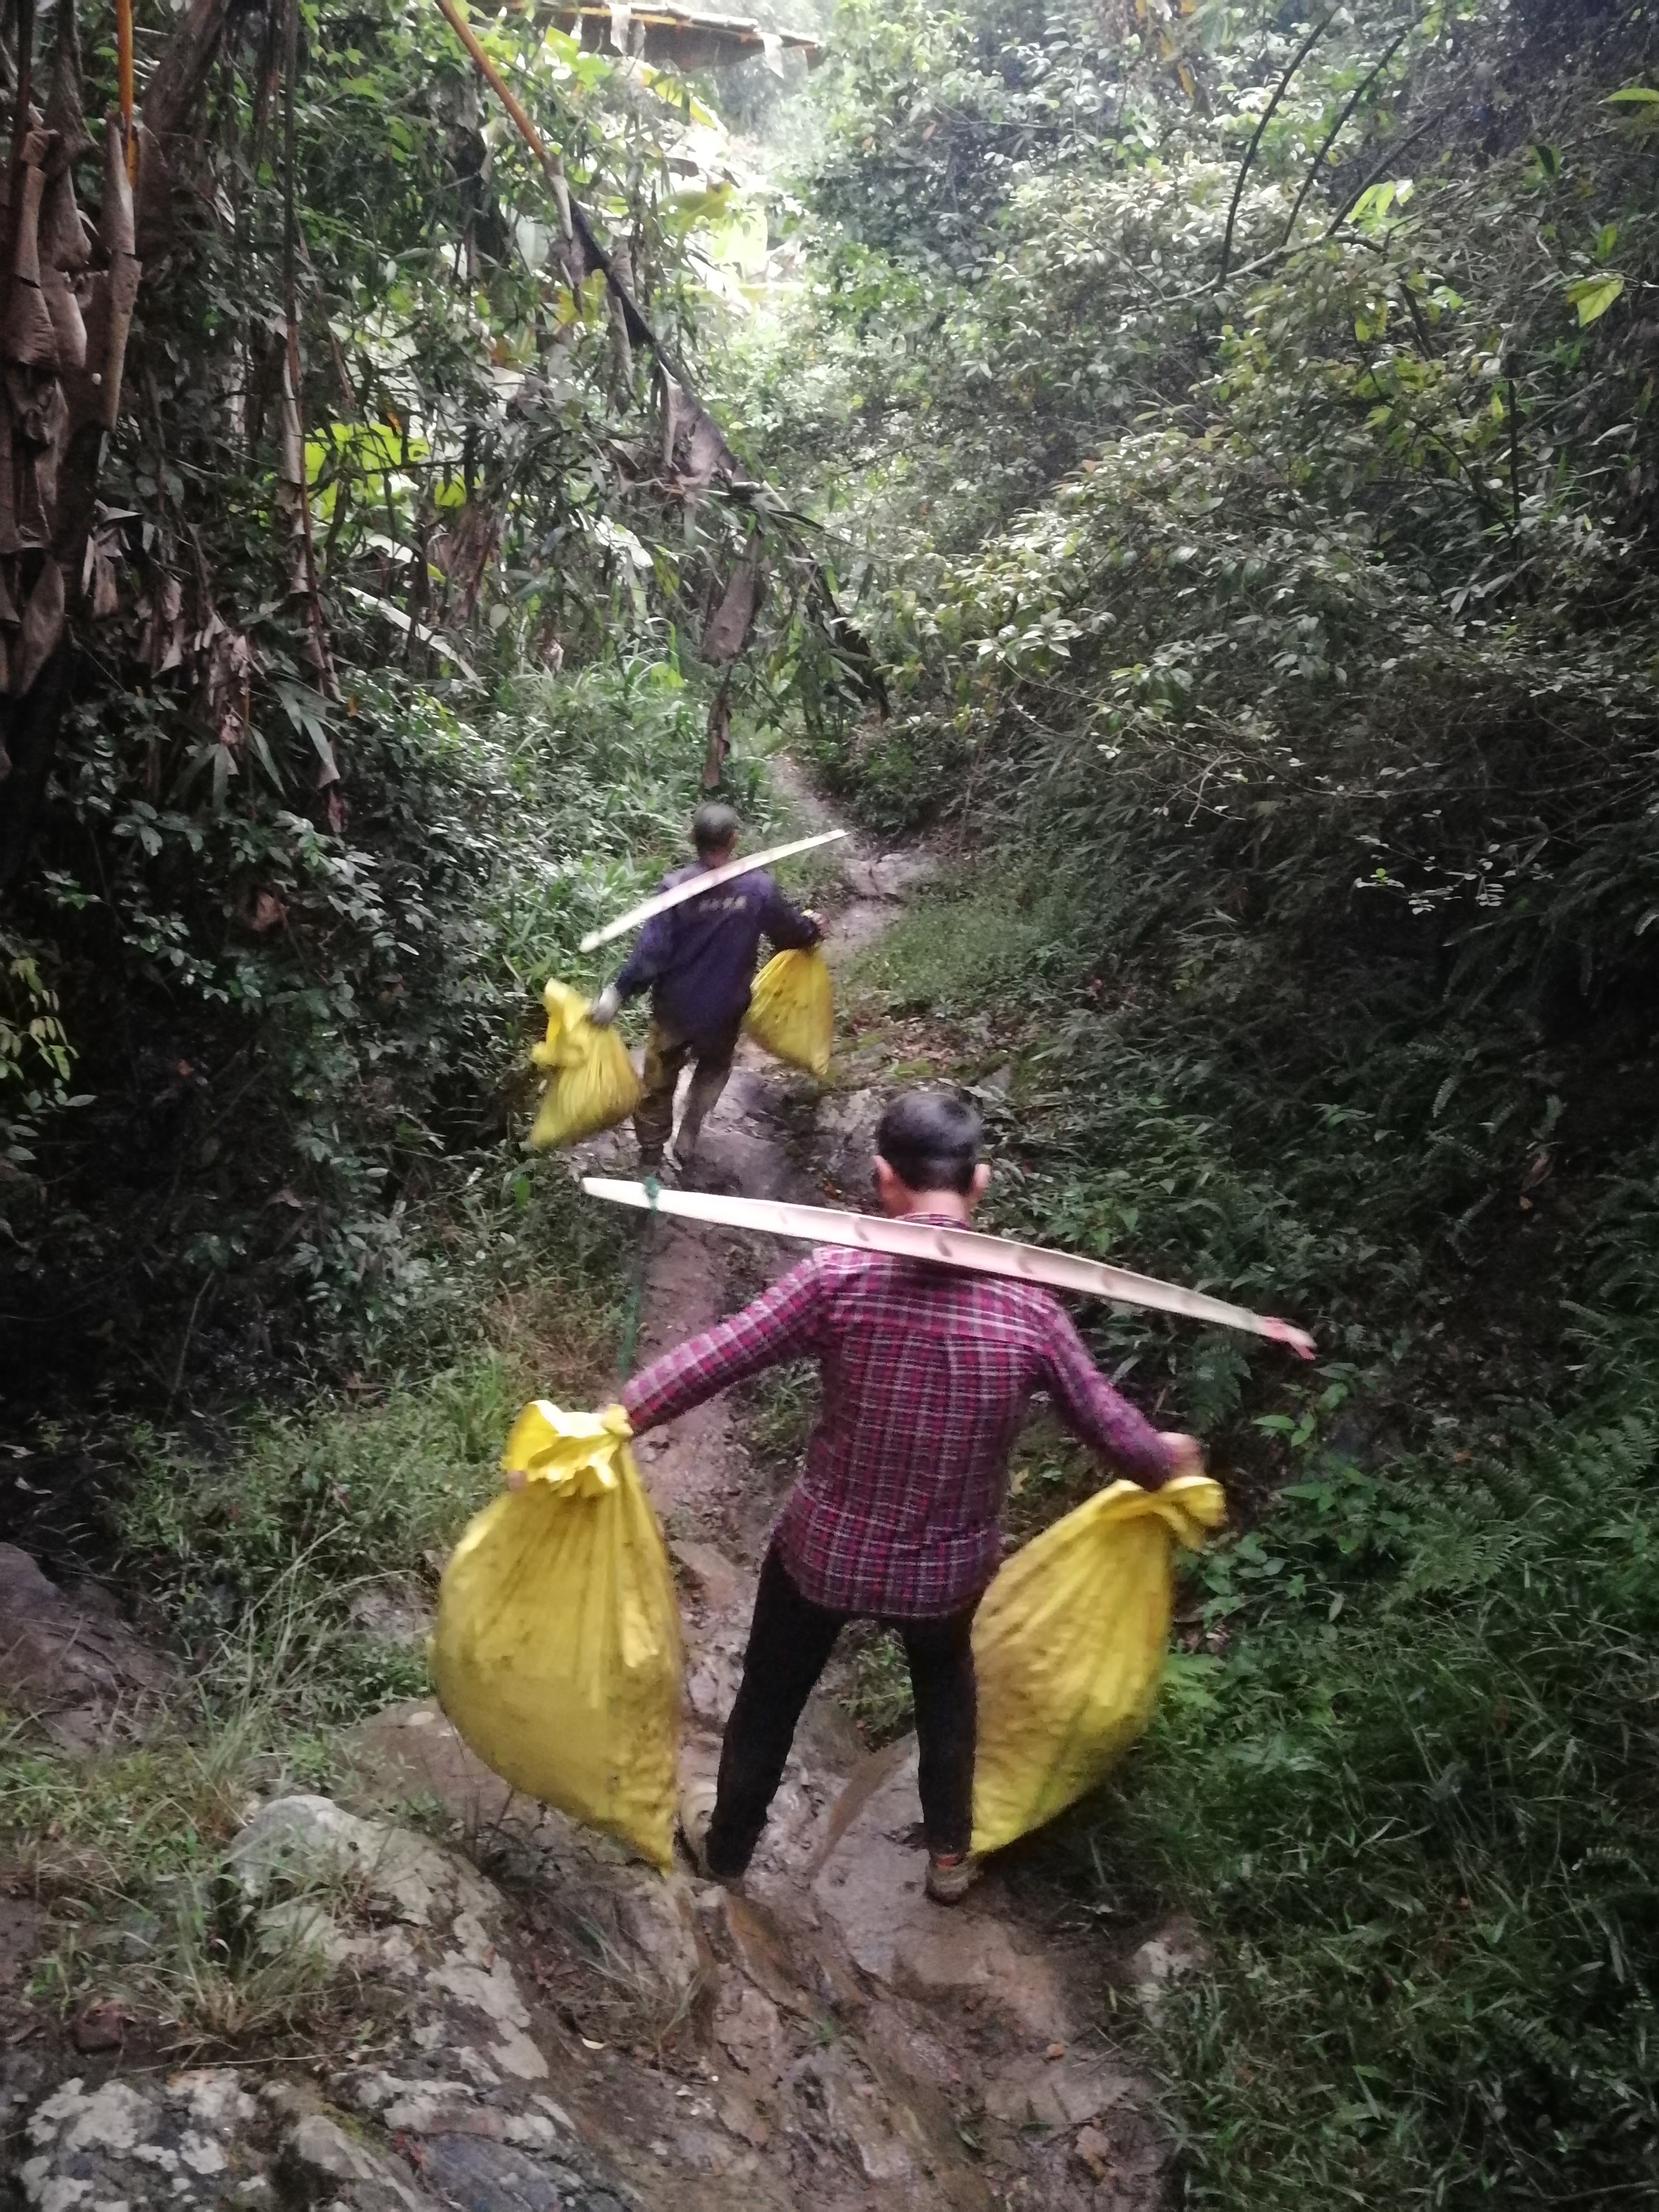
(591, 1082)
(1068, 1647)
(792, 1013)
(557, 1648)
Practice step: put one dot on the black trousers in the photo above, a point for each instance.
(790, 1641)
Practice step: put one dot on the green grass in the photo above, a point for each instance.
(1414, 1809)
(255, 1558)
(878, 1695)
(962, 946)
(1406, 1781)
(335, 1501)
(778, 1410)
(125, 1848)
(369, 1484)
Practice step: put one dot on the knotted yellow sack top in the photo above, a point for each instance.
(1191, 1506)
(591, 1082)
(580, 1450)
(557, 1653)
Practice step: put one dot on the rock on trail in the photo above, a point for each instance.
(444, 2101)
(68, 1660)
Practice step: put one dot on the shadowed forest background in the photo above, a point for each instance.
(1195, 465)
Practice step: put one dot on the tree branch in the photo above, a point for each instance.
(1336, 129)
(1389, 159)
(1267, 114)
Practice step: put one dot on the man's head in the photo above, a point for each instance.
(714, 833)
(927, 1155)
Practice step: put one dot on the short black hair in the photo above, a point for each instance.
(713, 827)
(930, 1139)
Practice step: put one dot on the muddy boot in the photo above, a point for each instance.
(696, 1811)
(706, 1086)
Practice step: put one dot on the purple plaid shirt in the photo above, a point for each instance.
(926, 1373)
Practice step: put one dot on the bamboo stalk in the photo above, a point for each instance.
(499, 85)
(954, 1248)
(294, 440)
(123, 83)
(707, 882)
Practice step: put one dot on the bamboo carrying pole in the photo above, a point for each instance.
(124, 84)
(503, 92)
(707, 882)
(954, 1248)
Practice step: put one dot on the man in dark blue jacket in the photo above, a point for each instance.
(699, 961)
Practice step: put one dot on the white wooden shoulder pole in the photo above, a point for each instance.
(953, 1248)
(708, 881)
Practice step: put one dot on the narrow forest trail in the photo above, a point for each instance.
(527, 2020)
(855, 2044)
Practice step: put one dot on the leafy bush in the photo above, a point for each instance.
(1411, 1811)
(304, 1050)
(375, 710)
(1265, 611)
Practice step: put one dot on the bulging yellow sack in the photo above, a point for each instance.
(792, 1012)
(591, 1081)
(557, 1648)
(1068, 1647)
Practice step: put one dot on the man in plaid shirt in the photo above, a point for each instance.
(926, 1374)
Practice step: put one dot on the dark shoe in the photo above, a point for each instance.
(700, 1174)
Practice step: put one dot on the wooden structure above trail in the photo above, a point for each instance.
(683, 37)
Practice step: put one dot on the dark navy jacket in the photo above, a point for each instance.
(699, 958)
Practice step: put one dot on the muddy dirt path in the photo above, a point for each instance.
(978, 2073)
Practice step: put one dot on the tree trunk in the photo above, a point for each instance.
(171, 95)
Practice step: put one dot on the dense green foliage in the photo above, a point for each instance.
(1323, 653)
(1266, 589)
(1413, 1810)
(265, 976)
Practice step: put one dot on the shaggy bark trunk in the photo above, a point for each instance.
(63, 328)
